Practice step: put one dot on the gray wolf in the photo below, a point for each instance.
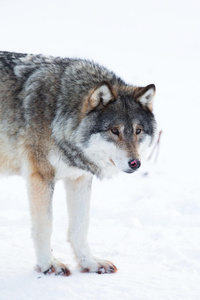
(68, 119)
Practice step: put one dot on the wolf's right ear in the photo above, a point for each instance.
(102, 94)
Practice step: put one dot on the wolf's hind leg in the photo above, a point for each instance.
(40, 195)
(78, 203)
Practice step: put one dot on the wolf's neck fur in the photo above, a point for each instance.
(74, 156)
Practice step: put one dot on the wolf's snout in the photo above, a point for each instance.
(134, 164)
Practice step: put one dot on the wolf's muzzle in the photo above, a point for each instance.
(134, 165)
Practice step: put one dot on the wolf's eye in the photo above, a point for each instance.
(138, 131)
(115, 131)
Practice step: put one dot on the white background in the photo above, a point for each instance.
(148, 226)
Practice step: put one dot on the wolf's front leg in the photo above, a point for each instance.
(78, 200)
(40, 195)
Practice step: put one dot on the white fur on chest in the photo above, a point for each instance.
(62, 169)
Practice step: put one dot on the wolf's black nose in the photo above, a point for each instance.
(134, 164)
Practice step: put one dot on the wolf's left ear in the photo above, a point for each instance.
(145, 95)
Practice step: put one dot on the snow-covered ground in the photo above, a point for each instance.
(147, 224)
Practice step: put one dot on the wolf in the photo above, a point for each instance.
(69, 119)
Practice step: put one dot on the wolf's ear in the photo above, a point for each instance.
(102, 94)
(145, 95)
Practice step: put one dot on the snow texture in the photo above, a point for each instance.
(147, 223)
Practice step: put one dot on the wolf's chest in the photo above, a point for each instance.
(64, 170)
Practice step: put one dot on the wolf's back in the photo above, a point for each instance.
(29, 86)
(35, 89)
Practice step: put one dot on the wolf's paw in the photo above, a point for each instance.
(98, 266)
(54, 267)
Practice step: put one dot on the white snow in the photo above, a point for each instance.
(149, 226)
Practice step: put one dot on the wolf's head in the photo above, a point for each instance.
(116, 123)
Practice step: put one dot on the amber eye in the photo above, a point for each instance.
(138, 131)
(115, 131)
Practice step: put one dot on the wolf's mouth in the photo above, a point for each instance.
(112, 162)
